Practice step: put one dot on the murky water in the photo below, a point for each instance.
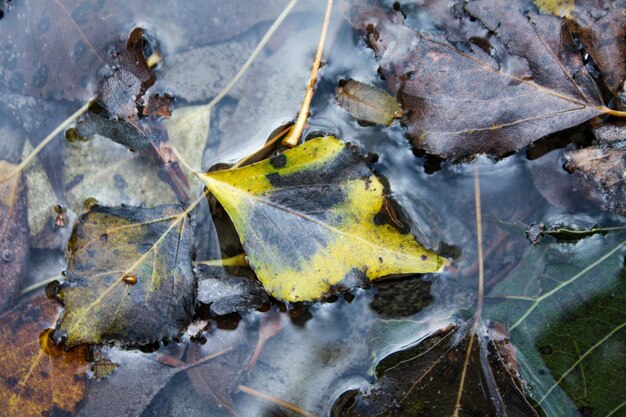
(323, 349)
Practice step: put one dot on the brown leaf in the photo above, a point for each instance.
(490, 96)
(600, 173)
(158, 105)
(367, 103)
(14, 247)
(120, 94)
(600, 27)
(37, 377)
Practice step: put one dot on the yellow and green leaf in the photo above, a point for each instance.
(129, 276)
(307, 221)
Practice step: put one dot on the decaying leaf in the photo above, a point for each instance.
(452, 373)
(464, 97)
(556, 7)
(307, 221)
(563, 307)
(601, 175)
(216, 380)
(600, 27)
(600, 170)
(367, 103)
(36, 377)
(14, 246)
(129, 276)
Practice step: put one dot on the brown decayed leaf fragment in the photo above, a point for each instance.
(461, 99)
(452, 373)
(600, 174)
(367, 103)
(14, 245)
(602, 30)
(37, 377)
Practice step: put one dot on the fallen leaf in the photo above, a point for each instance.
(454, 372)
(188, 131)
(304, 214)
(600, 172)
(158, 105)
(37, 377)
(216, 380)
(599, 25)
(464, 98)
(563, 308)
(129, 276)
(367, 103)
(14, 245)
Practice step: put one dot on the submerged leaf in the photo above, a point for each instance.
(307, 220)
(129, 276)
(13, 232)
(367, 103)
(454, 372)
(564, 308)
(36, 377)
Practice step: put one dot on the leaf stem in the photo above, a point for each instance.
(294, 137)
(277, 401)
(612, 112)
(237, 260)
(46, 141)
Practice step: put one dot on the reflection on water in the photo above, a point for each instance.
(51, 60)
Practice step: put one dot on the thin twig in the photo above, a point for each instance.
(294, 137)
(47, 140)
(481, 290)
(277, 401)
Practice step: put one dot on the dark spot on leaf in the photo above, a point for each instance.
(424, 257)
(545, 350)
(278, 161)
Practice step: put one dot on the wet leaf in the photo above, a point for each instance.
(14, 246)
(600, 27)
(367, 103)
(129, 276)
(303, 215)
(216, 380)
(36, 377)
(563, 306)
(600, 169)
(188, 131)
(454, 372)
(464, 97)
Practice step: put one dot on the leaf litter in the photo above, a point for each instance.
(502, 347)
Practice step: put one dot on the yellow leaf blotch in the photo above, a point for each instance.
(306, 219)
